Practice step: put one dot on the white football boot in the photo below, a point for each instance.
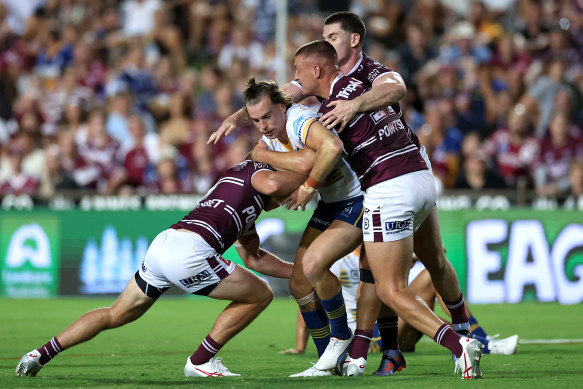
(213, 368)
(469, 362)
(29, 364)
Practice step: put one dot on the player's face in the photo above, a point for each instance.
(304, 73)
(340, 39)
(268, 118)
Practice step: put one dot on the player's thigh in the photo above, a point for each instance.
(339, 239)
(242, 286)
(131, 303)
(390, 262)
(428, 244)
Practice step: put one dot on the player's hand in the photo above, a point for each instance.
(342, 114)
(291, 200)
(293, 351)
(255, 153)
(227, 127)
(304, 197)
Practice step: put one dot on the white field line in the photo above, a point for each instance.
(549, 341)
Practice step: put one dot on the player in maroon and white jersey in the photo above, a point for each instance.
(400, 215)
(188, 255)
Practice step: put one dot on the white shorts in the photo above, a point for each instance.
(395, 208)
(183, 259)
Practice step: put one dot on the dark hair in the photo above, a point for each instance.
(349, 21)
(255, 90)
(319, 48)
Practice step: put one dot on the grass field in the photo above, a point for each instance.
(152, 351)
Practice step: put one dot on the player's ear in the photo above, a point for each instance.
(317, 71)
(354, 40)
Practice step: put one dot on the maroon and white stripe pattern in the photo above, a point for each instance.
(217, 267)
(441, 333)
(209, 347)
(377, 225)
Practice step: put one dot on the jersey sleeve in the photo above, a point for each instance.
(299, 122)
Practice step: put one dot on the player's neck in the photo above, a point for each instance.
(325, 86)
(349, 64)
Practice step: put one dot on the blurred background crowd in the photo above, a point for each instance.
(119, 97)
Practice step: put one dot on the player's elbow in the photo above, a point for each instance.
(335, 146)
(397, 93)
(272, 187)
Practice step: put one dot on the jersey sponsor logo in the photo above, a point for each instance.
(390, 128)
(365, 224)
(144, 268)
(393, 227)
(351, 87)
(213, 203)
(197, 279)
(373, 75)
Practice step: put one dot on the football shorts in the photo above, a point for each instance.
(349, 211)
(395, 208)
(183, 259)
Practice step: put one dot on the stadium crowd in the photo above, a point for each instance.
(119, 97)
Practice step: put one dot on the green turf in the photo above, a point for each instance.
(152, 351)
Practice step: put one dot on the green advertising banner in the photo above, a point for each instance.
(500, 256)
(29, 248)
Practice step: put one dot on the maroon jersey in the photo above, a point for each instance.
(229, 208)
(379, 144)
(367, 70)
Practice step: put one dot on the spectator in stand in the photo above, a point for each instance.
(101, 152)
(169, 176)
(67, 91)
(560, 47)
(166, 37)
(174, 131)
(540, 97)
(442, 144)
(241, 46)
(415, 52)
(19, 182)
(557, 150)
(509, 63)
(118, 117)
(139, 16)
(135, 78)
(532, 28)
(138, 161)
(512, 150)
(476, 175)
(91, 70)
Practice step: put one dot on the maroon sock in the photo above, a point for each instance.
(447, 337)
(457, 310)
(361, 342)
(207, 349)
(49, 351)
(389, 329)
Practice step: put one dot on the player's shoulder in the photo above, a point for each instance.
(299, 117)
(247, 167)
(299, 111)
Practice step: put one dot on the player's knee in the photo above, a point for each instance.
(265, 296)
(299, 285)
(312, 267)
(388, 294)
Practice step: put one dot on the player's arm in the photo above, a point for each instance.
(277, 184)
(328, 148)
(298, 161)
(241, 117)
(260, 260)
(387, 89)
